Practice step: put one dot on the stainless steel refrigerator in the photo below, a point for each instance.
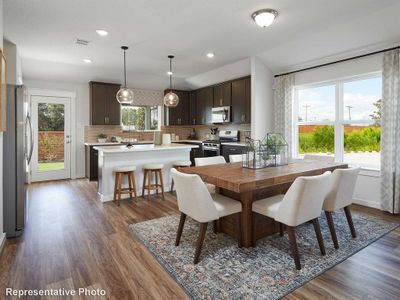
(17, 152)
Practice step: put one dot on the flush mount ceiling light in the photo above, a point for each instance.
(171, 99)
(264, 17)
(101, 32)
(87, 60)
(210, 55)
(169, 73)
(125, 95)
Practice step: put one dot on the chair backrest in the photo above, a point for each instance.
(235, 158)
(304, 199)
(205, 161)
(319, 157)
(341, 190)
(193, 197)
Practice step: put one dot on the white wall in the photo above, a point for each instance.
(2, 234)
(367, 191)
(262, 99)
(14, 72)
(81, 117)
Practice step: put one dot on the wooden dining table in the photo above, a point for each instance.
(248, 185)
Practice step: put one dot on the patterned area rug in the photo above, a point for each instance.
(264, 272)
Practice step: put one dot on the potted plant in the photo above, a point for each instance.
(101, 138)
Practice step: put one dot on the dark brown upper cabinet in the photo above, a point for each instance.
(241, 100)
(204, 104)
(193, 107)
(179, 115)
(104, 107)
(223, 94)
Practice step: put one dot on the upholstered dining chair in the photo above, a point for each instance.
(235, 158)
(340, 195)
(301, 203)
(195, 201)
(206, 161)
(319, 157)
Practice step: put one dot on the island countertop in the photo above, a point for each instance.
(143, 148)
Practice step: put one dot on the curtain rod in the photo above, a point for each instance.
(338, 61)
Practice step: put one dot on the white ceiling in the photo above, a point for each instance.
(306, 31)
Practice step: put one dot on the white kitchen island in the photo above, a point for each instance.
(138, 155)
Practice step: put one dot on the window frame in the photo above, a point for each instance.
(147, 118)
(339, 121)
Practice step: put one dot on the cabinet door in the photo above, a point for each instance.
(239, 101)
(248, 100)
(113, 107)
(205, 98)
(222, 94)
(98, 98)
(192, 108)
(183, 108)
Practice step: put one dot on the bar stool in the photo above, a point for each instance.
(148, 171)
(118, 190)
(179, 164)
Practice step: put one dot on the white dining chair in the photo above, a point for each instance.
(301, 203)
(206, 161)
(233, 158)
(327, 158)
(195, 201)
(340, 195)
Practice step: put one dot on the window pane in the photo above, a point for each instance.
(135, 116)
(51, 136)
(362, 145)
(316, 104)
(362, 100)
(315, 139)
(154, 118)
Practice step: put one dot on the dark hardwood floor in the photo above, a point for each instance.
(72, 241)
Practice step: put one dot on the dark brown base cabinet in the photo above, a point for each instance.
(104, 107)
(227, 150)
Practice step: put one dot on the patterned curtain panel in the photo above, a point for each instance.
(283, 103)
(390, 139)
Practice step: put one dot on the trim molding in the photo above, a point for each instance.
(2, 242)
(367, 203)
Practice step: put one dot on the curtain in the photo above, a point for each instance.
(390, 136)
(283, 106)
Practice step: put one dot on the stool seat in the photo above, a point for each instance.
(125, 169)
(153, 166)
(182, 163)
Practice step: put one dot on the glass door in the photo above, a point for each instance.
(51, 126)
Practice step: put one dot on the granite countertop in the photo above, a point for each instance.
(142, 148)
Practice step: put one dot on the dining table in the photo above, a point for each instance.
(248, 185)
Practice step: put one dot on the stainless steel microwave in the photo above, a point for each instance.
(221, 114)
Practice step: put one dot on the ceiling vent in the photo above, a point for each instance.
(81, 42)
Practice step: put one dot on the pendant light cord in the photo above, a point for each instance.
(170, 74)
(124, 68)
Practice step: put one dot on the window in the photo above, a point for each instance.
(340, 119)
(140, 117)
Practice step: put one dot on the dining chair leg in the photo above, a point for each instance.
(350, 221)
(293, 246)
(144, 182)
(172, 186)
(317, 229)
(180, 228)
(162, 183)
(281, 229)
(199, 243)
(331, 225)
(215, 225)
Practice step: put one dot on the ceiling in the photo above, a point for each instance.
(306, 31)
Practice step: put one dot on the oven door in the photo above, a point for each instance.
(210, 151)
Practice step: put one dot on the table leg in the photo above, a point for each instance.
(246, 199)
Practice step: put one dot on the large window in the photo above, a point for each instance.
(340, 119)
(140, 117)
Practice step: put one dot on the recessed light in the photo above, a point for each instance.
(264, 17)
(169, 73)
(87, 60)
(102, 32)
(210, 55)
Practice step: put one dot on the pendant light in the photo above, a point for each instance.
(125, 95)
(171, 99)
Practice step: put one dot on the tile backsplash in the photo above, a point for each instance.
(183, 132)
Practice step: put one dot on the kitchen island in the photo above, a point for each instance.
(138, 155)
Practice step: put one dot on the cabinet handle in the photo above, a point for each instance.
(220, 102)
(243, 118)
(194, 121)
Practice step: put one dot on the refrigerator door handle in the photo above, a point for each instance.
(28, 120)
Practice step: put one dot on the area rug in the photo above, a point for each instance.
(264, 272)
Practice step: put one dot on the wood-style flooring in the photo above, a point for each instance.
(72, 241)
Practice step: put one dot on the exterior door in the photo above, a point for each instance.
(51, 159)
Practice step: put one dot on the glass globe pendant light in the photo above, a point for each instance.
(171, 99)
(125, 95)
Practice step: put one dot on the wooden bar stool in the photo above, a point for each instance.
(179, 164)
(148, 171)
(118, 190)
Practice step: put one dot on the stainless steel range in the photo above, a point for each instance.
(213, 147)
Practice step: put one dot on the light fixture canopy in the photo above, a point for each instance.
(171, 99)
(101, 32)
(125, 95)
(264, 17)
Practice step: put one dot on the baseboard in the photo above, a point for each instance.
(367, 203)
(2, 241)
